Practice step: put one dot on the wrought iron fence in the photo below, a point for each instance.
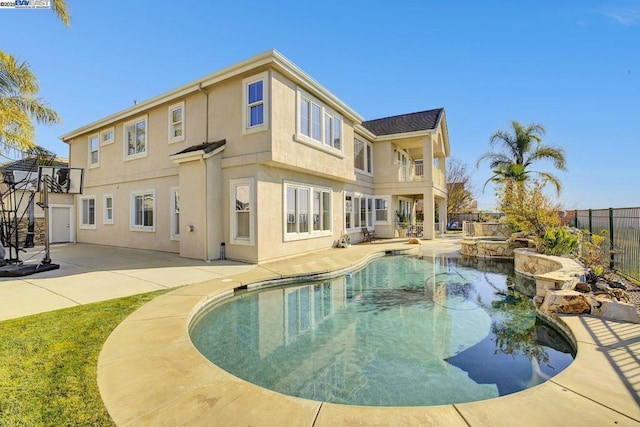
(622, 228)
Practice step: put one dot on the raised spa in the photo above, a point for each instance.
(404, 331)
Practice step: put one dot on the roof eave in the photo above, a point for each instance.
(414, 134)
(269, 57)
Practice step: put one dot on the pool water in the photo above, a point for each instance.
(404, 331)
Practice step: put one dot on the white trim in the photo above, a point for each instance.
(87, 226)
(365, 156)
(265, 102)
(112, 129)
(106, 220)
(91, 137)
(134, 122)
(324, 112)
(270, 57)
(172, 211)
(72, 219)
(311, 233)
(233, 183)
(132, 213)
(170, 122)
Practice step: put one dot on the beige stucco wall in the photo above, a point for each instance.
(291, 152)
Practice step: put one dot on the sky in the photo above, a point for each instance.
(572, 66)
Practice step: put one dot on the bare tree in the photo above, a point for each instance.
(459, 187)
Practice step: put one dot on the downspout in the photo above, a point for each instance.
(204, 165)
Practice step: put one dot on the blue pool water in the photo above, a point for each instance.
(404, 331)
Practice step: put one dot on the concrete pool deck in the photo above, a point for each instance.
(149, 372)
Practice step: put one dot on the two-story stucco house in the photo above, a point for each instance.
(259, 156)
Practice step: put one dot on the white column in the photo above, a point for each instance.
(429, 204)
(442, 213)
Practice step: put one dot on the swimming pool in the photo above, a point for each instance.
(404, 331)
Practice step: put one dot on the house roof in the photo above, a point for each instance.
(404, 123)
(271, 58)
(205, 147)
(30, 164)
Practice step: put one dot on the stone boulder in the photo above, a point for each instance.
(566, 301)
(605, 308)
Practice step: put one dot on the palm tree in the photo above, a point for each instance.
(18, 105)
(522, 148)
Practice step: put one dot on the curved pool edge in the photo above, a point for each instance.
(149, 372)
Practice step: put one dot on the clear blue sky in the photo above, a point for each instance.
(572, 66)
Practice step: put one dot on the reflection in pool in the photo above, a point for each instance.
(404, 331)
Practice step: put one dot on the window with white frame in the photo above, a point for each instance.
(242, 211)
(307, 211)
(381, 207)
(107, 217)
(359, 211)
(107, 136)
(94, 151)
(143, 210)
(135, 139)
(175, 213)
(176, 122)
(317, 123)
(88, 212)
(348, 212)
(255, 92)
(362, 155)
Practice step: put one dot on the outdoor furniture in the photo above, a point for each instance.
(368, 236)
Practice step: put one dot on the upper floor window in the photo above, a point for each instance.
(255, 96)
(107, 136)
(363, 155)
(135, 138)
(94, 150)
(176, 122)
(317, 123)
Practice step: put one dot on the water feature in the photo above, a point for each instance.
(404, 331)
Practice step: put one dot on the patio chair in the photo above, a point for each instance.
(368, 236)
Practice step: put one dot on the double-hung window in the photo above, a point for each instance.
(317, 123)
(143, 210)
(242, 211)
(135, 139)
(88, 212)
(107, 217)
(176, 123)
(381, 210)
(94, 151)
(307, 211)
(255, 92)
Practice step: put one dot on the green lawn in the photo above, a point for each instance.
(48, 364)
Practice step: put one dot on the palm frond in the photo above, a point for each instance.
(59, 8)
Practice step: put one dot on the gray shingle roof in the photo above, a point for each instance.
(30, 164)
(412, 122)
(207, 147)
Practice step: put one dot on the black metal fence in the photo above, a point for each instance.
(622, 228)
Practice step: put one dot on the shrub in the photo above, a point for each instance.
(559, 241)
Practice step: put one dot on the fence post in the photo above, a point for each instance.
(575, 218)
(590, 216)
(612, 262)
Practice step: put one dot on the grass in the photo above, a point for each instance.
(48, 364)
